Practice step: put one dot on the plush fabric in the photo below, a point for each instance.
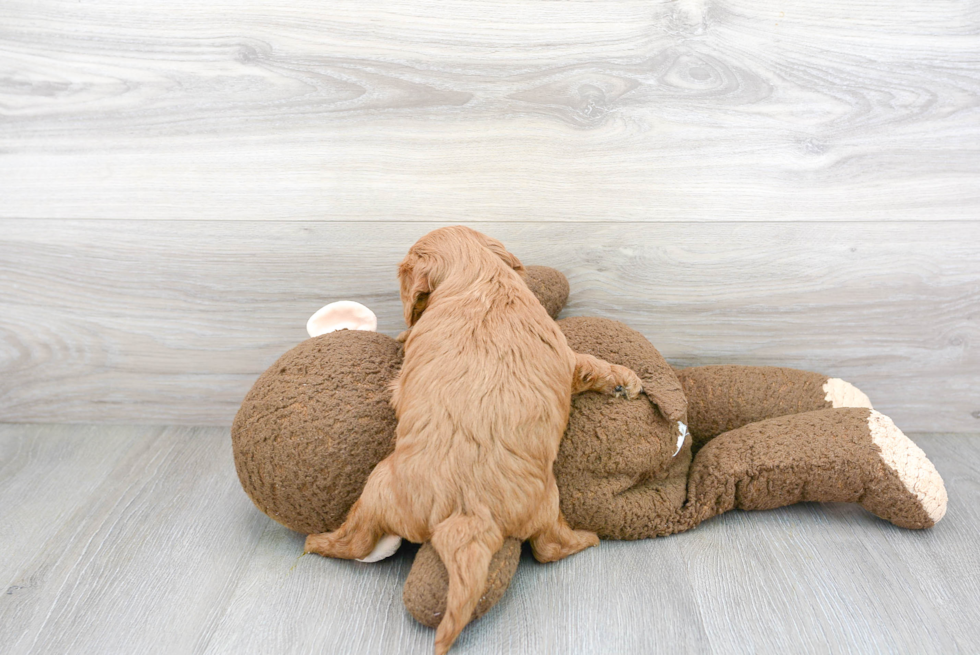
(317, 422)
(550, 286)
(428, 582)
(314, 425)
(723, 398)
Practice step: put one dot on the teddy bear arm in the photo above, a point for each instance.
(666, 393)
(549, 286)
(723, 398)
(853, 455)
(615, 343)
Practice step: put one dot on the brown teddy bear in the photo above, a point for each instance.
(698, 442)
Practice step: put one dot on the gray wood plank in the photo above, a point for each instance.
(318, 605)
(286, 603)
(148, 562)
(509, 111)
(153, 321)
(810, 579)
(48, 475)
(167, 555)
(832, 578)
(945, 563)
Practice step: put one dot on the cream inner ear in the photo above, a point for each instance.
(342, 315)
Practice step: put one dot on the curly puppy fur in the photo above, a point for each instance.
(482, 402)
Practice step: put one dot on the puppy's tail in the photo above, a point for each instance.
(465, 544)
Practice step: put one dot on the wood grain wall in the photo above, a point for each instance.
(757, 182)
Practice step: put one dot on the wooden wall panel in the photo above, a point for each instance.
(752, 181)
(172, 321)
(686, 110)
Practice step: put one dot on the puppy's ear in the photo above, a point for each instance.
(498, 249)
(415, 278)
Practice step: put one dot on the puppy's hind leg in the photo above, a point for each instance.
(557, 541)
(362, 529)
(465, 545)
(594, 374)
(553, 539)
(355, 539)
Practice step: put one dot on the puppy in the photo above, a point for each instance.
(482, 402)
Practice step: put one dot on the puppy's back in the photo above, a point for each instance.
(485, 391)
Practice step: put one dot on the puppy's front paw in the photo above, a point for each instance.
(628, 383)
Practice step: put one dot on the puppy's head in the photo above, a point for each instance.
(445, 253)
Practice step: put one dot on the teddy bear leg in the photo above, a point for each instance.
(723, 398)
(466, 543)
(908, 490)
(427, 584)
(851, 455)
(594, 374)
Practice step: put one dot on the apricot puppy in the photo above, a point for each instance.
(482, 402)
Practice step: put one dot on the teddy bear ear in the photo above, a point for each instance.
(342, 315)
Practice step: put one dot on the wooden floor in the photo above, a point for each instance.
(121, 539)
